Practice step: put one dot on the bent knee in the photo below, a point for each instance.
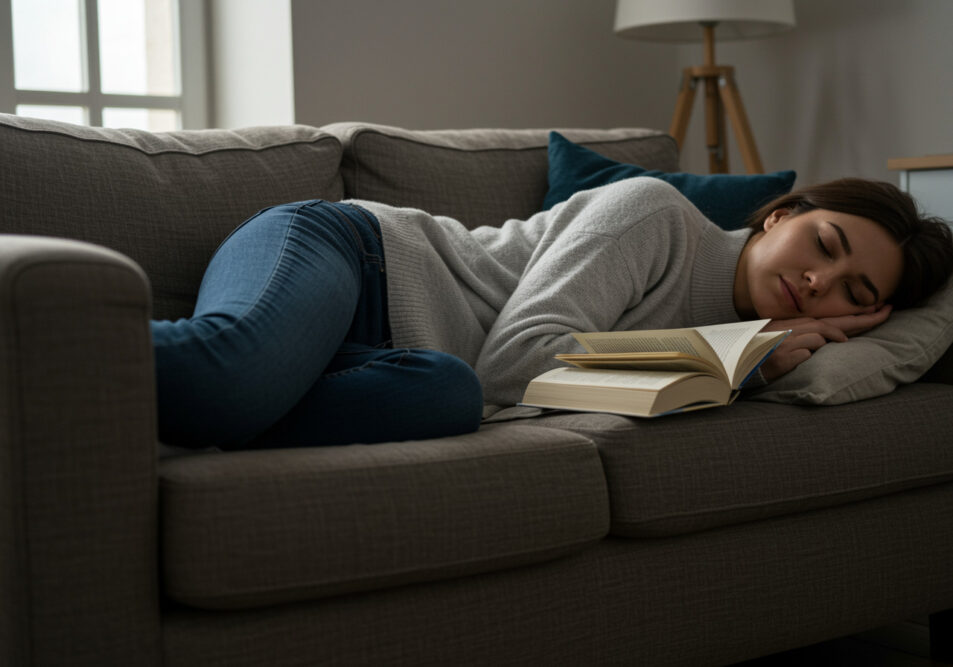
(451, 382)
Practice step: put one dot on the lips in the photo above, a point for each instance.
(790, 294)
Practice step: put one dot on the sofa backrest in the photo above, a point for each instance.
(478, 176)
(166, 200)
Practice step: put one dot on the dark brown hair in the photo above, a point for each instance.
(926, 242)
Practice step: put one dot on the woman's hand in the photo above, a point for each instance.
(809, 334)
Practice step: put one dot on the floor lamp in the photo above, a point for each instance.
(706, 21)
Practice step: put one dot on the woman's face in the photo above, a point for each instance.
(817, 264)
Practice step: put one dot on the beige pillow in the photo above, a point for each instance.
(897, 352)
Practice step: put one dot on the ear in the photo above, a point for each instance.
(777, 215)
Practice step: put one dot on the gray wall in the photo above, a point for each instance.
(433, 64)
(857, 82)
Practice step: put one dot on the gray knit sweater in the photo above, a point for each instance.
(631, 255)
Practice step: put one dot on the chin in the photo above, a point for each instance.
(772, 312)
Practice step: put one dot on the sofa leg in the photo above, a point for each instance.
(941, 636)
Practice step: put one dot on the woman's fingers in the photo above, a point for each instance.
(834, 328)
(809, 335)
(799, 356)
(805, 338)
(805, 341)
(793, 350)
(853, 325)
(825, 327)
(783, 360)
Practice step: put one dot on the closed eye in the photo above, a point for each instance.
(850, 295)
(820, 244)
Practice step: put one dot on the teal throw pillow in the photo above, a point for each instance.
(725, 199)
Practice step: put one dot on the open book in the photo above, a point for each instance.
(651, 373)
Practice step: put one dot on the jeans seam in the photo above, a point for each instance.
(237, 229)
(369, 218)
(356, 234)
(367, 256)
(265, 286)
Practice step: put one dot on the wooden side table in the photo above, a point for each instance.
(929, 180)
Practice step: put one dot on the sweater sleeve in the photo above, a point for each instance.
(618, 258)
(579, 284)
(603, 264)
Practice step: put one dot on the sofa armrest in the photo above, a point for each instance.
(78, 483)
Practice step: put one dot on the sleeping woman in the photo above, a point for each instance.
(324, 323)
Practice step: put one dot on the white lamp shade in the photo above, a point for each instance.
(678, 20)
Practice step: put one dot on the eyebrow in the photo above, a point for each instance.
(842, 235)
(847, 249)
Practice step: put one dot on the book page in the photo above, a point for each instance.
(762, 345)
(644, 380)
(723, 345)
(643, 361)
(729, 341)
(635, 393)
(685, 341)
(628, 341)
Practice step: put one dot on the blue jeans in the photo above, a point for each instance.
(289, 344)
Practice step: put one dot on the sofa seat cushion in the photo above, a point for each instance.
(477, 176)
(252, 528)
(165, 199)
(752, 460)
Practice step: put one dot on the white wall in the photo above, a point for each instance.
(430, 64)
(855, 83)
(251, 62)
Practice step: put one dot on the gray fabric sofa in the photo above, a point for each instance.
(569, 539)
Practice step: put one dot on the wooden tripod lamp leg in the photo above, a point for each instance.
(731, 98)
(717, 138)
(683, 109)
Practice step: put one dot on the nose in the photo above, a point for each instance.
(818, 281)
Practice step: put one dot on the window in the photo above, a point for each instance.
(115, 63)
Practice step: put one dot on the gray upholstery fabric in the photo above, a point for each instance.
(710, 598)
(78, 491)
(166, 200)
(479, 177)
(751, 460)
(260, 527)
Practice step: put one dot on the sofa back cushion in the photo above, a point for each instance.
(164, 199)
(478, 176)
